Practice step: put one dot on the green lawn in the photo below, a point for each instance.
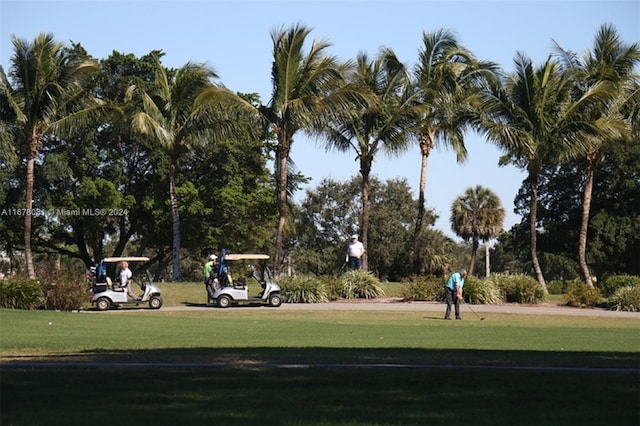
(245, 366)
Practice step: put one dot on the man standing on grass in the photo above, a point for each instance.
(355, 251)
(453, 291)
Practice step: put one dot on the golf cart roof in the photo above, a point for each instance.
(126, 259)
(237, 256)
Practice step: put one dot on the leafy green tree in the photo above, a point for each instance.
(47, 88)
(383, 126)
(610, 60)
(447, 78)
(178, 113)
(477, 215)
(305, 93)
(329, 214)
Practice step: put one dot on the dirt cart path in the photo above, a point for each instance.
(396, 304)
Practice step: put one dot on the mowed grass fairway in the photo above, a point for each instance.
(265, 366)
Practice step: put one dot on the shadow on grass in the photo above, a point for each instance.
(327, 357)
(434, 387)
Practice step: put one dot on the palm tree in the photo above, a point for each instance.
(48, 86)
(447, 78)
(382, 126)
(180, 111)
(305, 93)
(536, 121)
(477, 215)
(611, 61)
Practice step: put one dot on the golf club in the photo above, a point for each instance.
(475, 313)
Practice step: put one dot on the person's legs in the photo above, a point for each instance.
(457, 301)
(129, 292)
(449, 297)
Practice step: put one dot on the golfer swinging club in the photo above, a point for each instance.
(453, 291)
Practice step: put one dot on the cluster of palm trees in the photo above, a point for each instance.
(568, 107)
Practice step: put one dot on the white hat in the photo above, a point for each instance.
(213, 257)
(354, 236)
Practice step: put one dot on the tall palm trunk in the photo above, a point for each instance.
(586, 208)
(365, 169)
(284, 149)
(533, 219)
(28, 255)
(426, 144)
(475, 244)
(175, 224)
(487, 260)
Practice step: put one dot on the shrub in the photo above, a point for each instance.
(610, 285)
(626, 299)
(20, 292)
(360, 285)
(422, 288)
(560, 286)
(583, 295)
(518, 288)
(65, 292)
(477, 291)
(332, 286)
(302, 289)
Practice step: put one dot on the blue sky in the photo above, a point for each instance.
(234, 38)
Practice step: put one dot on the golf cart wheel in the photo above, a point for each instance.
(155, 302)
(275, 300)
(224, 301)
(103, 304)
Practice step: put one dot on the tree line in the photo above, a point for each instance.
(173, 164)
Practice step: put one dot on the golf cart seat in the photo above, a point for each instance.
(240, 284)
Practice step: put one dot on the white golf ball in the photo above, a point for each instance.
(50, 323)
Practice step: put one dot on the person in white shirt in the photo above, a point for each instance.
(125, 279)
(355, 251)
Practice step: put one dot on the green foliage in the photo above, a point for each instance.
(518, 288)
(64, 291)
(20, 292)
(427, 288)
(560, 286)
(583, 295)
(481, 291)
(332, 286)
(303, 289)
(360, 285)
(626, 299)
(611, 284)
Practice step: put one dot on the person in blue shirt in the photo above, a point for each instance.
(453, 291)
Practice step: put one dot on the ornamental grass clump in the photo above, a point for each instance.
(481, 291)
(20, 292)
(360, 285)
(303, 289)
(626, 299)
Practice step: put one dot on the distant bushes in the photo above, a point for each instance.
(417, 287)
(518, 288)
(611, 284)
(583, 295)
(360, 285)
(55, 291)
(303, 289)
(350, 285)
(20, 293)
(482, 291)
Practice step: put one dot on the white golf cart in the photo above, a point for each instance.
(251, 268)
(107, 294)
